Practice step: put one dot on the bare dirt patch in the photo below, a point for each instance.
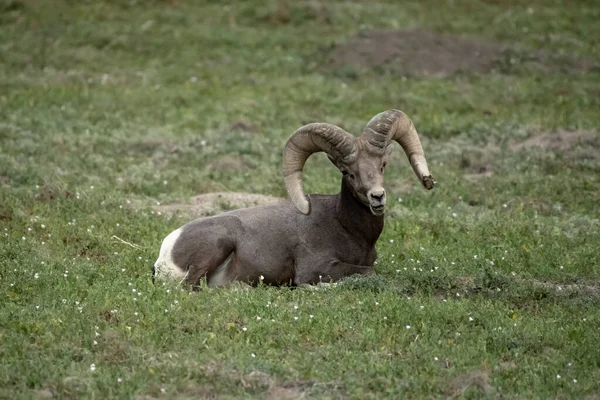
(429, 53)
(475, 379)
(215, 203)
(585, 144)
(243, 126)
(227, 163)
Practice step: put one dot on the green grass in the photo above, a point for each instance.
(488, 286)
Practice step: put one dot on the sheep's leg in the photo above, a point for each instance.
(330, 272)
(214, 267)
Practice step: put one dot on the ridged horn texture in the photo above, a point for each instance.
(395, 125)
(307, 140)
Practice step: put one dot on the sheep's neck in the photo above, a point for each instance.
(357, 218)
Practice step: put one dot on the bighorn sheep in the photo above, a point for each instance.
(332, 236)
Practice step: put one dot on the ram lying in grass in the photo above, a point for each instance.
(310, 239)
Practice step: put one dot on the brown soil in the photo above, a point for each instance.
(215, 203)
(227, 163)
(423, 52)
(428, 53)
(474, 379)
(563, 141)
(243, 126)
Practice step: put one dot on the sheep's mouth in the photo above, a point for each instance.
(377, 210)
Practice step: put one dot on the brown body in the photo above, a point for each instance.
(336, 240)
(310, 239)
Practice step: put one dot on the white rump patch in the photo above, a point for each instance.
(165, 267)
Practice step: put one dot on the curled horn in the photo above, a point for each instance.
(307, 140)
(395, 125)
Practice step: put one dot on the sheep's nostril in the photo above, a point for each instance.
(377, 196)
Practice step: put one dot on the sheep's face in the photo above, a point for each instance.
(364, 176)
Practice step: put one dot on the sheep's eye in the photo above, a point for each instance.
(344, 172)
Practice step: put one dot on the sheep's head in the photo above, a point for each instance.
(361, 159)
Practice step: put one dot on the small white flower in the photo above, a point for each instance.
(116, 254)
(557, 376)
(475, 257)
(92, 187)
(295, 318)
(376, 303)
(258, 318)
(162, 390)
(134, 290)
(165, 182)
(310, 316)
(122, 269)
(95, 343)
(422, 307)
(384, 318)
(574, 380)
(43, 226)
(93, 367)
(244, 329)
(435, 358)
(561, 267)
(158, 203)
(119, 380)
(295, 307)
(453, 214)
(135, 313)
(504, 205)
(470, 318)
(65, 275)
(36, 276)
(37, 307)
(253, 355)
(128, 201)
(407, 326)
(391, 240)
(457, 294)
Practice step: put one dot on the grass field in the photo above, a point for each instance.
(486, 287)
